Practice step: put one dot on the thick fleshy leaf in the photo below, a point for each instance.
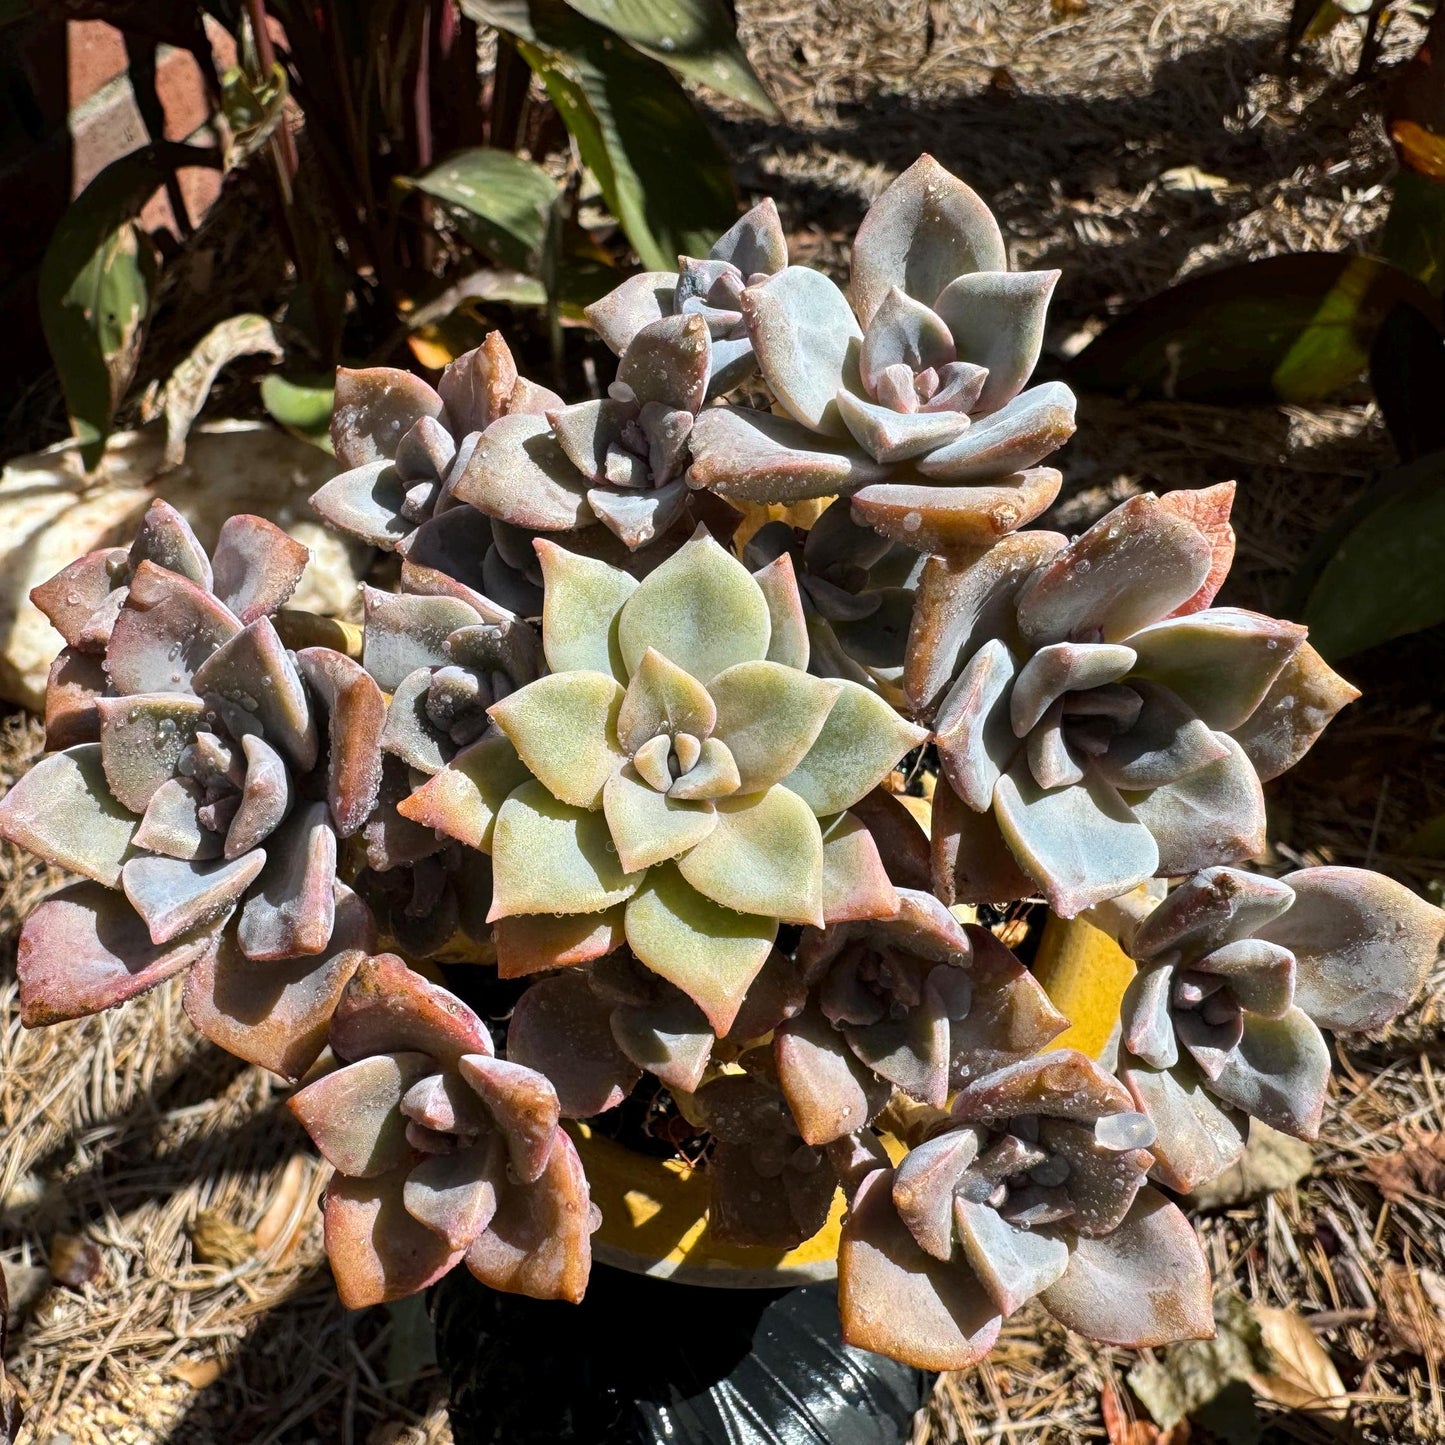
(1147, 1017)
(1214, 815)
(62, 810)
(764, 856)
(1208, 509)
(894, 436)
(670, 1039)
(710, 952)
(924, 1185)
(564, 728)
(947, 519)
(860, 744)
(639, 517)
(165, 538)
(1293, 713)
(902, 839)
(806, 340)
(788, 642)
(755, 456)
(1132, 567)
(700, 609)
(163, 634)
(1013, 438)
(254, 671)
(769, 716)
(355, 717)
(588, 430)
(924, 230)
(257, 566)
(548, 857)
(353, 1114)
(628, 307)
(1146, 1284)
(1221, 661)
(406, 631)
(536, 943)
(523, 1105)
(1059, 668)
(965, 601)
(778, 1208)
(973, 730)
(84, 949)
(911, 1052)
(856, 884)
(538, 1242)
(172, 824)
(463, 799)
(579, 615)
(1009, 1015)
(389, 1008)
(1080, 844)
(1102, 1179)
(1013, 1265)
(1209, 909)
(292, 908)
(1166, 742)
(1363, 945)
(366, 502)
(971, 860)
(668, 361)
(1260, 974)
(374, 408)
(648, 827)
(377, 1251)
(73, 596)
(276, 1014)
(1064, 1084)
(456, 1194)
(561, 1029)
(903, 332)
(1278, 1073)
(176, 897)
(899, 1301)
(662, 698)
(997, 322)
(72, 688)
(520, 473)
(829, 1092)
(266, 797)
(1198, 1138)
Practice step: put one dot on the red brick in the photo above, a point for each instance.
(97, 54)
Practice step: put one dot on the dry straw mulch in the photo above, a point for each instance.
(1129, 144)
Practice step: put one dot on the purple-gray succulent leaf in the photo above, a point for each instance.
(446, 556)
(523, 1107)
(163, 634)
(749, 455)
(455, 1195)
(925, 1183)
(410, 734)
(353, 1114)
(1293, 713)
(1146, 1016)
(758, 1196)
(564, 1031)
(1063, 667)
(1209, 1033)
(911, 1053)
(1278, 1073)
(1222, 661)
(1146, 1283)
(996, 320)
(1103, 1174)
(637, 518)
(171, 824)
(1208, 910)
(1062, 1083)
(806, 340)
(669, 1039)
(1012, 1264)
(388, 1007)
(630, 306)
(947, 519)
(374, 408)
(668, 362)
(425, 454)
(973, 732)
(257, 566)
(829, 1091)
(927, 228)
(142, 738)
(1212, 816)
(266, 797)
(1363, 945)
(903, 333)
(755, 243)
(175, 897)
(971, 862)
(519, 473)
(1260, 975)
(477, 386)
(1198, 1137)
(404, 632)
(890, 436)
(165, 538)
(292, 908)
(589, 430)
(1051, 759)
(1017, 436)
(897, 1299)
(367, 503)
(77, 592)
(733, 363)
(788, 638)
(1165, 742)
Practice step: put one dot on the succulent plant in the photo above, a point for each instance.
(916, 1002)
(1032, 1186)
(443, 1151)
(195, 796)
(1237, 975)
(906, 393)
(677, 782)
(1098, 721)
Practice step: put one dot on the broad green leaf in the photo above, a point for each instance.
(252, 111)
(696, 38)
(1414, 237)
(564, 727)
(302, 406)
(502, 202)
(1289, 328)
(632, 121)
(1385, 578)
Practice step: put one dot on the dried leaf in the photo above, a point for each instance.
(74, 1260)
(285, 1204)
(216, 1240)
(1302, 1375)
(1122, 1430)
(1412, 1302)
(1417, 1169)
(198, 1374)
(1270, 1161)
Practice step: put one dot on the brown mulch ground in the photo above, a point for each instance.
(211, 1314)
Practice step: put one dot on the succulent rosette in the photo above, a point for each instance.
(406, 446)
(443, 1152)
(677, 782)
(857, 589)
(907, 393)
(916, 1002)
(1034, 1187)
(209, 777)
(1098, 720)
(1237, 975)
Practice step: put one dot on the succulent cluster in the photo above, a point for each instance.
(662, 787)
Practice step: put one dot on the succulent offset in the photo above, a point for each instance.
(669, 790)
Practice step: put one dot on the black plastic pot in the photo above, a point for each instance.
(644, 1360)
